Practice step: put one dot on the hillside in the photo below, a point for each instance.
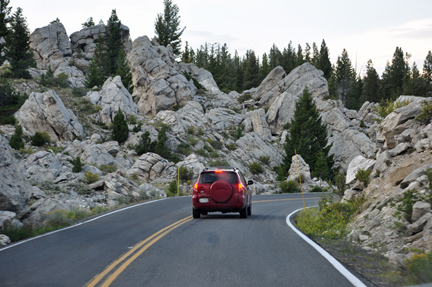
(206, 127)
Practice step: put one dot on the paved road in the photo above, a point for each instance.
(216, 250)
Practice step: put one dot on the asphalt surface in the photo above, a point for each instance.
(216, 250)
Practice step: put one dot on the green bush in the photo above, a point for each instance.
(419, 268)
(201, 152)
(318, 189)
(99, 209)
(84, 190)
(79, 92)
(120, 131)
(244, 98)
(387, 107)
(231, 146)
(105, 168)
(214, 154)
(289, 186)
(184, 148)
(40, 138)
(77, 166)
(218, 163)
(208, 148)
(363, 176)
(265, 159)
(137, 128)
(16, 141)
(50, 187)
(426, 115)
(216, 144)
(91, 177)
(145, 145)
(191, 130)
(185, 173)
(132, 119)
(172, 189)
(256, 168)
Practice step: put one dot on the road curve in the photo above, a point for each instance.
(216, 250)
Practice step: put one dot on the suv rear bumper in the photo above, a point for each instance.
(222, 207)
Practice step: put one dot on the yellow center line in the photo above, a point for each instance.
(135, 256)
(284, 199)
(100, 276)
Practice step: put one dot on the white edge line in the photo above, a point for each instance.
(78, 224)
(348, 275)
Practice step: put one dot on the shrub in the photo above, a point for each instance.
(50, 187)
(185, 173)
(191, 130)
(200, 131)
(218, 163)
(120, 131)
(98, 210)
(216, 144)
(40, 138)
(387, 107)
(79, 92)
(60, 218)
(243, 98)
(132, 119)
(137, 128)
(83, 190)
(265, 159)
(145, 145)
(231, 146)
(172, 189)
(208, 148)
(426, 115)
(318, 189)
(16, 141)
(289, 186)
(107, 168)
(184, 148)
(77, 166)
(91, 177)
(214, 154)
(256, 168)
(201, 152)
(363, 176)
(143, 194)
(419, 268)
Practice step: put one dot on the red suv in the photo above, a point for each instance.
(221, 189)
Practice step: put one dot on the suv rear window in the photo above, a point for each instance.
(210, 177)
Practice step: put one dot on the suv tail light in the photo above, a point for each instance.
(240, 186)
(195, 188)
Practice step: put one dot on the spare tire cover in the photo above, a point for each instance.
(221, 191)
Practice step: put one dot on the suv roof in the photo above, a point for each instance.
(228, 168)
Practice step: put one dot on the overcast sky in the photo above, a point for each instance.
(368, 29)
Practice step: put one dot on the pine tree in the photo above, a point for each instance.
(97, 72)
(88, 23)
(145, 145)
(324, 60)
(114, 41)
(315, 56)
(77, 166)
(371, 85)
(299, 60)
(4, 21)
(265, 66)
(345, 75)
(18, 51)
(167, 27)
(427, 71)
(308, 135)
(415, 84)
(16, 141)
(124, 71)
(307, 56)
(161, 148)
(394, 75)
(275, 57)
(120, 131)
(251, 71)
(187, 55)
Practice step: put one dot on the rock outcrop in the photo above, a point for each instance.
(301, 167)
(150, 167)
(158, 83)
(46, 112)
(14, 188)
(112, 97)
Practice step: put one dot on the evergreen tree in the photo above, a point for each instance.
(415, 84)
(167, 27)
(161, 148)
(315, 56)
(201, 59)
(114, 41)
(394, 75)
(120, 131)
(251, 71)
(188, 54)
(18, 51)
(345, 75)
(371, 85)
(77, 166)
(98, 70)
(307, 56)
(427, 71)
(275, 57)
(4, 21)
(239, 72)
(308, 136)
(324, 60)
(299, 59)
(354, 94)
(88, 23)
(124, 71)
(16, 141)
(265, 67)
(145, 145)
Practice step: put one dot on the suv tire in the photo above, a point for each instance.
(249, 210)
(243, 213)
(196, 213)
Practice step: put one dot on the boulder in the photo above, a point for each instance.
(86, 39)
(294, 169)
(359, 162)
(383, 161)
(97, 154)
(173, 120)
(260, 125)
(112, 97)
(420, 223)
(151, 166)
(281, 112)
(399, 149)
(158, 83)
(414, 175)
(7, 218)
(192, 115)
(367, 112)
(45, 112)
(193, 162)
(269, 84)
(204, 77)
(420, 208)
(222, 119)
(50, 45)
(4, 240)
(398, 121)
(117, 186)
(15, 190)
(75, 76)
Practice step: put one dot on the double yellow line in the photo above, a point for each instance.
(132, 254)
